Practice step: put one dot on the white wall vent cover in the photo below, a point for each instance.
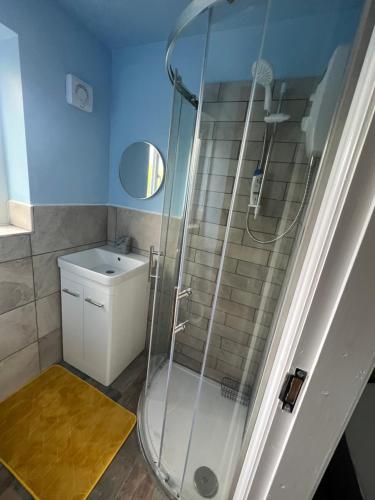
(79, 94)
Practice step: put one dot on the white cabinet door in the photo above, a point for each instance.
(72, 315)
(96, 320)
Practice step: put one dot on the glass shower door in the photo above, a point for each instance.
(164, 272)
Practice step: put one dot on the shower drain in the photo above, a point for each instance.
(206, 482)
(110, 271)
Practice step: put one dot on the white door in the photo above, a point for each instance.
(72, 315)
(326, 326)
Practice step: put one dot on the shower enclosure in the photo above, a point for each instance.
(251, 116)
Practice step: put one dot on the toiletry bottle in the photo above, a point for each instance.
(255, 187)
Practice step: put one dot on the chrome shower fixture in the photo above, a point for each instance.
(278, 117)
(263, 74)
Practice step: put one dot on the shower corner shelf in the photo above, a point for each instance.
(233, 389)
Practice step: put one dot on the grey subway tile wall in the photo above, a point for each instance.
(144, 228)
(253, 273)
(61, 227)
(17, 329)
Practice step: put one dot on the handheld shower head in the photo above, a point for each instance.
(263, 74)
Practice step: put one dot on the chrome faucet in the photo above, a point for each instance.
(124, 242)
(120, 240)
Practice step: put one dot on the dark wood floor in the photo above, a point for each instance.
(128, 477)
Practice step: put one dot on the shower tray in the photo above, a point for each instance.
(224, 425)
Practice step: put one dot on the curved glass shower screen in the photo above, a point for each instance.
(243, 159)
(152, 406)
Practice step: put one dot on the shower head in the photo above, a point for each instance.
(263, 74)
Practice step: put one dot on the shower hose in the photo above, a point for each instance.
(293, 223)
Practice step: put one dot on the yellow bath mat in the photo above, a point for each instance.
(58, 435)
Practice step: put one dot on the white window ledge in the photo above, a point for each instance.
(8, 230)
(20, 219)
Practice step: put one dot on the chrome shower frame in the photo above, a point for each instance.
(192, 11)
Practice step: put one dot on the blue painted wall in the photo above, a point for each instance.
(67, 149)
(141, 106)
(296, 47)
(303, 46)
(140, 110)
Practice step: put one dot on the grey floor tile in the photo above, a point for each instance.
(6, 479)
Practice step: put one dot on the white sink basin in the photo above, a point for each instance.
(103, 265)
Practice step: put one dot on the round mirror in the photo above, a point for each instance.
(141, 170)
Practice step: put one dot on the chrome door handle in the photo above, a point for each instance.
(69, 292)
(151, 262)
(178, 295)
(181, 327)
(94, 303)
(185, 294)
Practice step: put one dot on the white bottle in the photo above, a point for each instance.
(256, 183)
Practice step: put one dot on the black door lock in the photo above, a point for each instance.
(291, 388)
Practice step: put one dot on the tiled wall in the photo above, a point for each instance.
(144, 228)
(253, 273)
(30, 317)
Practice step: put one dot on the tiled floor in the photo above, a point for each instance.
(128, 477)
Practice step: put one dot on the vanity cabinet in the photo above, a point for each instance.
(104, 327)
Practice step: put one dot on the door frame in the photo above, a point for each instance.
(283, 447)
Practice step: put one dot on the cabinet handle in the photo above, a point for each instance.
(94, 303)
(73, 294)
